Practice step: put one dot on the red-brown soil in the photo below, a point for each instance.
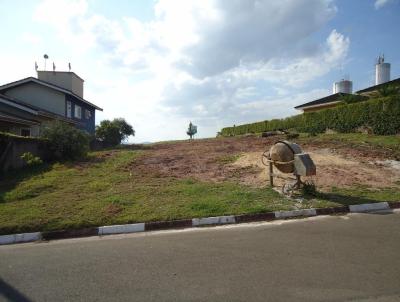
(239, 160)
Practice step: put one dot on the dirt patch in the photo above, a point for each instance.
(339, 166)
(334, 169)
(112, 210)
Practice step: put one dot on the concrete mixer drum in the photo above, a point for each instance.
(287, 157)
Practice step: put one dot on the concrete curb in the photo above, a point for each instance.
(18, 238)
(213, 220)
(195, 222)
(121, 229)
(368, 207)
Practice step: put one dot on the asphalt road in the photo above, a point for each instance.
(342, 258)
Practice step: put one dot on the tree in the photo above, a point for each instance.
(114, 132)
(65, 141)
(192, 130)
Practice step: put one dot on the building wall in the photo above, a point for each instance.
(87, 124)
(16, 129)
(320, 107)
(67, 80)
(77, 85)
(39, 96)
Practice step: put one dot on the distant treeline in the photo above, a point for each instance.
(381, 115)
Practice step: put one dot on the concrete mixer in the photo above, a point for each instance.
(288, 157)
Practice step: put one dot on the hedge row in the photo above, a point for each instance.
(382, 115)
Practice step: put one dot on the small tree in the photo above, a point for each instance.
(114, 132)
(192, 130)
(65, 141)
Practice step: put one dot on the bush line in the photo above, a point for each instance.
(382, 115)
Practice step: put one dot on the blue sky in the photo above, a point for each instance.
(161, 63)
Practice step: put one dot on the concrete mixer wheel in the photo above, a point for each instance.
(265, 158)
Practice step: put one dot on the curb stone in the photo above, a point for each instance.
(195, 222)
(19, 238)
(121, 229)
(368, 207)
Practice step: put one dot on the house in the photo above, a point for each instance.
(373, 89)
(54, 95)
(329, 101)
(343, 89)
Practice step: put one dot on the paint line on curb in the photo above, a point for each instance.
(295, 213)
(18, 238)
(368, 207)
(213, 220)
(121, 229)
(187, 223)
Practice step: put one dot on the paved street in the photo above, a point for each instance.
(342, 258)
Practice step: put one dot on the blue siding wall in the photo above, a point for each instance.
(84, 123)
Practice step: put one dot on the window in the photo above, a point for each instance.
(26, 132)
(78, 111)
(88, 114)
(69, 109)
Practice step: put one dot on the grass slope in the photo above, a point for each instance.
(102, 190)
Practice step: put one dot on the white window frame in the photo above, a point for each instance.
(88, 114)
(69, 109)
(78, 112)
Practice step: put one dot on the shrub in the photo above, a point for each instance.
(352, 98)
(30, 159)
(389, 90)
(308, 189)
(114, 132)
(65, 141)
(382, 115)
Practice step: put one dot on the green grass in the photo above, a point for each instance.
(388, 142)
(350, 196)
(104, 190)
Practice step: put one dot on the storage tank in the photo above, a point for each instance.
(343, 86)
(382, 71)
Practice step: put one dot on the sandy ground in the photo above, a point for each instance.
(333, 169)
(239, 159)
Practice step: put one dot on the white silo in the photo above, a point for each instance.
(382, 71)
(343, 86)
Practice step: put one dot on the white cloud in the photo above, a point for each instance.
(381, 3)
(31, 38)
(211, 61)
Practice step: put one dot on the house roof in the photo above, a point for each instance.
(376, 87)
(19, 105)
(7, 117)
(33, 109)
(49, 85)
(330, 99)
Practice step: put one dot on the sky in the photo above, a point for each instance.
(162, 63)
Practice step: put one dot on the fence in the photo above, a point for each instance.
(12, 147)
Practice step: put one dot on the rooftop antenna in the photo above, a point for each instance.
(36, 66)
(45, 59)
(69, 66)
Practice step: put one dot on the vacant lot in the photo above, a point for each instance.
(175, 180)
